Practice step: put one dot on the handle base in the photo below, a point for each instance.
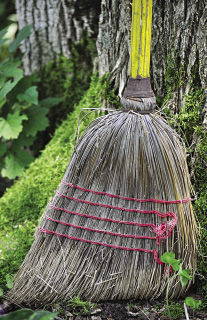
(138, 88)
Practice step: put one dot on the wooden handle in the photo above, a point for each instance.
(141, 38)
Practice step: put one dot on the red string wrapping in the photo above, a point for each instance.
(162, 231)
(101, 231)
(163, 215)
(104, 244)
(125, 198)
(159, 230)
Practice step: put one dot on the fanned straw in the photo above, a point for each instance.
(128, 155)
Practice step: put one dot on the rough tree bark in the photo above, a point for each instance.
(56, 24)
(179, 37)
(179, 30)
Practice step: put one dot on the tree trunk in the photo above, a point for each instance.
(56, 24)
(178, 50)
(178, 34)
(113, 43)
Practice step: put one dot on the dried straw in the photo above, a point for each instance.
(123, 153)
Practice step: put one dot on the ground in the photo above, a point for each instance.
(133, 310)
(123, 310)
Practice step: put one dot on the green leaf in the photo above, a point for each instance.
(24, 83)
(169, 257)
(7, 87)
(3, 148)
(21, 141)
(176, 264)
(23, 314)
(24, 157)
(22, 35)
(30, 95)
(13, 168)
(37, 120)
(1, 292)
(11, 127)
(184, 276)
(15, 163)
(2, 102)
(43, 315)
(11, 69)
(50, 102)
(9, 281)
(2, 34)
(194, 304)
(2, 79)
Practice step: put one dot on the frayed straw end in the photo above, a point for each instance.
(141, 105)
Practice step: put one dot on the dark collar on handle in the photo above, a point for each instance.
(138, 88)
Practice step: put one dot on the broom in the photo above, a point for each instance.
(124, 201)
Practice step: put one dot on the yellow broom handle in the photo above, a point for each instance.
(141, 38)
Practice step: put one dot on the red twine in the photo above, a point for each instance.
(101, 231)
(162, 231)
(103, 244)
(163, 215)
(125, 198)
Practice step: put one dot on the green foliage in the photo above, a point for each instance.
(9, 281)
(68, 78)
(21, 35)
(15, 164)
(22, 204)
(37, 120)
(184, 277)
(6, 9)
(184, 274)
(30, 95)
(21, 114)
(194, 304)
(78, 306)
(11, 74)
(28, 314)
(174, 310)
(11, 127)
(169, 258)
(2, 36)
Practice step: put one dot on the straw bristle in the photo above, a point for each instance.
(126, 154)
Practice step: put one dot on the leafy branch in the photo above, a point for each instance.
(22, 115)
